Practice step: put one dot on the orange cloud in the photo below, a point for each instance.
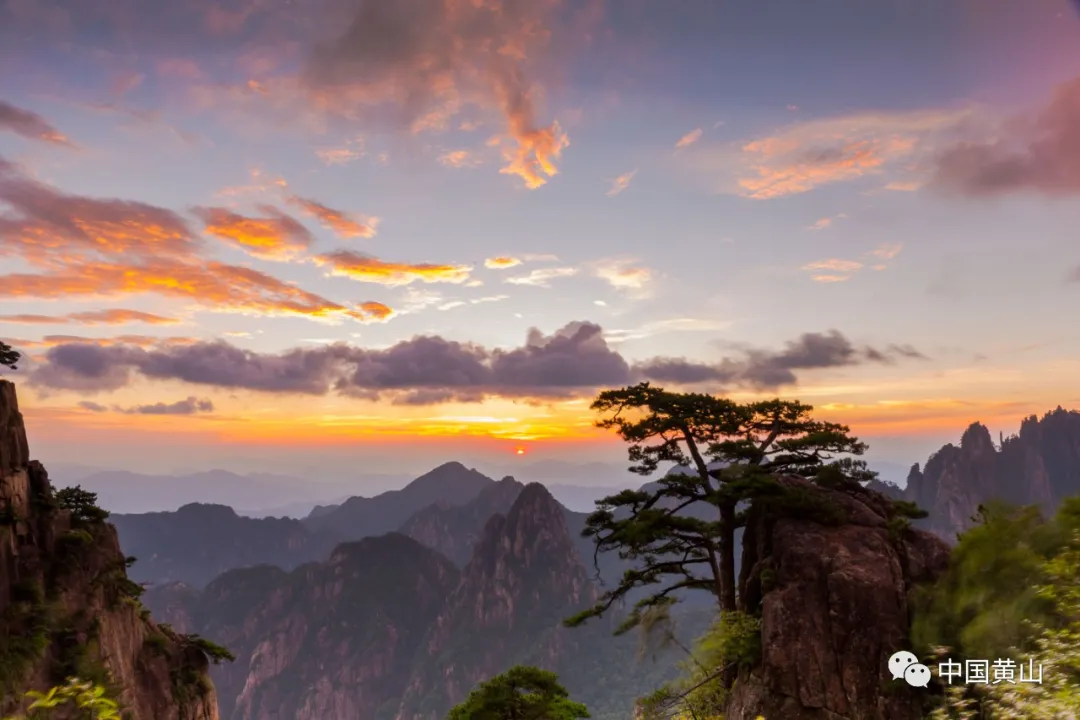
(215, 286)
(688, 139)
(459, 159)
(376, 311)
(808, 155)
(450, 57)
(29, 125)
(344, 225)
(621, 183)
(534, 154)
(51, 228)
(368, 269)
(273, 237)
(500, 263)
(821, 224)
(49, 341)
(93, 317)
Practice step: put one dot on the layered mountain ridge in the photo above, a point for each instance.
(390, 629)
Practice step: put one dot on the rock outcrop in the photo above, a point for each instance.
(832, 583)
(1039, 466)
(454, 530)
(67, 607)
(524, 578)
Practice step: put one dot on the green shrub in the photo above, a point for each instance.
(216, 653)
(82, 504)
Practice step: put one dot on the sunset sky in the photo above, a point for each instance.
(251, 233)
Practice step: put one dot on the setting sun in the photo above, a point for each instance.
(520, 451)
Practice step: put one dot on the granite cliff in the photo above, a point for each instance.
(833, 588)
(67, 606)
(1038, 466)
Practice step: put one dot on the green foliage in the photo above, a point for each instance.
(82, 504)
(8, 356)
(25, 626)
(896, 526)
(756, 442)
(214, 652)
(907, 509)
(72, 540)
(92, 701)
(188, 685)
(157, 643)
(1054, 648)
(733, 641)
(521, 693)
(980, 607)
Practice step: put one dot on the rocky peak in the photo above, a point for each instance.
(1039, 466)
(67, 606)
(833, 591)
(524, 577)
(976, 440)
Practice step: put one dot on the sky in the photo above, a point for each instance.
(258, 234)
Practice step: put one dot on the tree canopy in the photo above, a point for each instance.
(727, 454)
(521, 693)
(9, 356)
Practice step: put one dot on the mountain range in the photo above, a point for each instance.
(387, 627)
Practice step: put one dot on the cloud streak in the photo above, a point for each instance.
(117, 316)
(29, 125)
(274, 236)
(342, 224)
(805, 156)
(575, 360)
(364, 268)
(688, 139)
(621, 183)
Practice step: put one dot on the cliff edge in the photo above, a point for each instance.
(67, 607)
(832, 580)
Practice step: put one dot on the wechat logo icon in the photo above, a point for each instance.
(904, 664)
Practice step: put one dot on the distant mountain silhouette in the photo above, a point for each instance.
(198, 542)
(256, 493)
(358, 517)
(1038, 466)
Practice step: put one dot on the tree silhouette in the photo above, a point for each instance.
(8, 356)
(728, 453)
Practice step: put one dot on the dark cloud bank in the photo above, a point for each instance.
(575, 360)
